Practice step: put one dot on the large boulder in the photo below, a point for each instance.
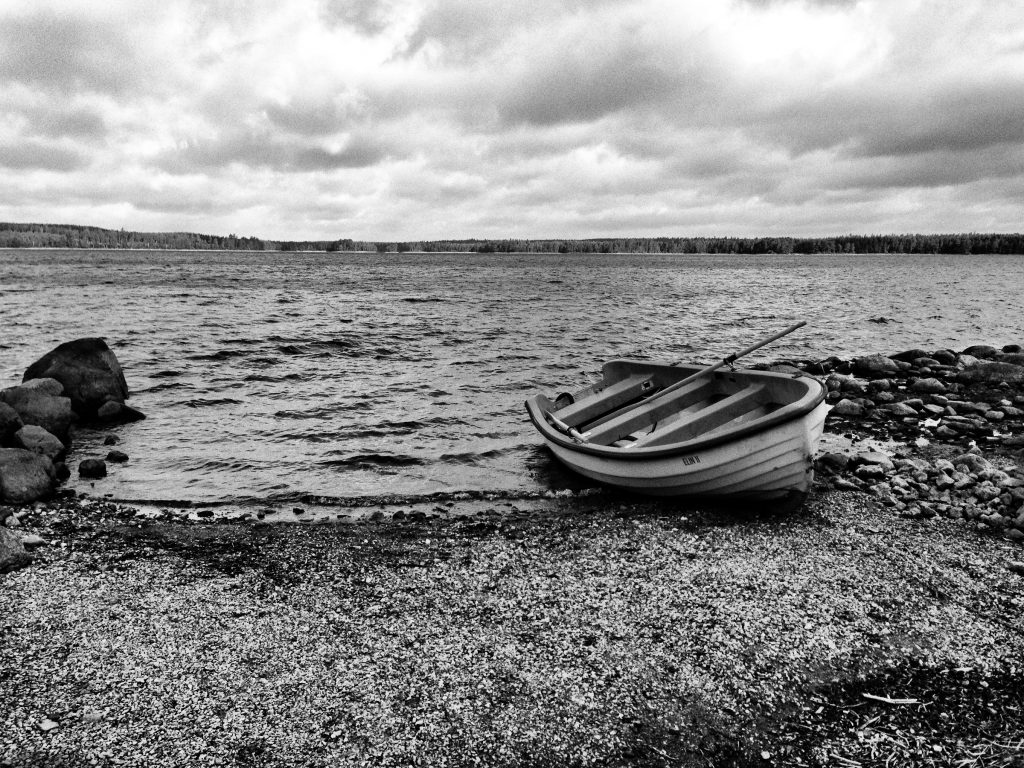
(35, 405)
(927, 386)
(95, 468)
(992, 373)
(89, 372)
(874, 366)
(1013, 358)
(38, 440)
(847, 407)
(25, 476)
(117, 413)
(10, 422)
(909, 355)
(46, 386)
(984, 351)
(12, 552)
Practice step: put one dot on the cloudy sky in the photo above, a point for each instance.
(431, 119)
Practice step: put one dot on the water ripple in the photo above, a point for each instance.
(302, 376)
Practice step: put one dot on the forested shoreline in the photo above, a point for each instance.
(13, 235)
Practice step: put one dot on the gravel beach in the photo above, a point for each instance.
(584, 630)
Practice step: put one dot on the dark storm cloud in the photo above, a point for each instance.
(54, 119)
(36, 155)
(78, 123)
(585, 87)
(935, 169)
(898, 121)
(312, 118)
(268, 151)
(65, 53)
(963, 119)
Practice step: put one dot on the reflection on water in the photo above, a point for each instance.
(346, 375)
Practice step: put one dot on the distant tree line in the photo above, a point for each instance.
(74, 236)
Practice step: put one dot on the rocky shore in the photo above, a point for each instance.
(881, 624)
(80, 381)
(944, 433)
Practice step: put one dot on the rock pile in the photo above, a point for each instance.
(956, 419)
(79, 381)
(966, 486)
(941, 396)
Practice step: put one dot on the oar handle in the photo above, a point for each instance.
(726, 360)
(559, 424)
(769, 340)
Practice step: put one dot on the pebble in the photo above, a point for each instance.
(29, 540)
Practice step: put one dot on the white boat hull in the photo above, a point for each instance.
(770, 464)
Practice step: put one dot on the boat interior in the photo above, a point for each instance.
(634, 405)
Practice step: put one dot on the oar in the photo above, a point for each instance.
(728, 360)
(561, 425)
(576, 435)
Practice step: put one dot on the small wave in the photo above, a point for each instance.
(167, 386)
(373, 460)
(273, 379)
(244, 341)
(322, 412)
(206, 403)
(221, 354)
(424, 300)
(335, 344)
(474, 457)
(399, 428)
(218, 464)
(166, 374)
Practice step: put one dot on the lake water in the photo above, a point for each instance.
(277, 377)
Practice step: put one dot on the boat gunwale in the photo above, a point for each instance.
(742, 432)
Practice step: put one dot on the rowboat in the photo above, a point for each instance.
(682, 430)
